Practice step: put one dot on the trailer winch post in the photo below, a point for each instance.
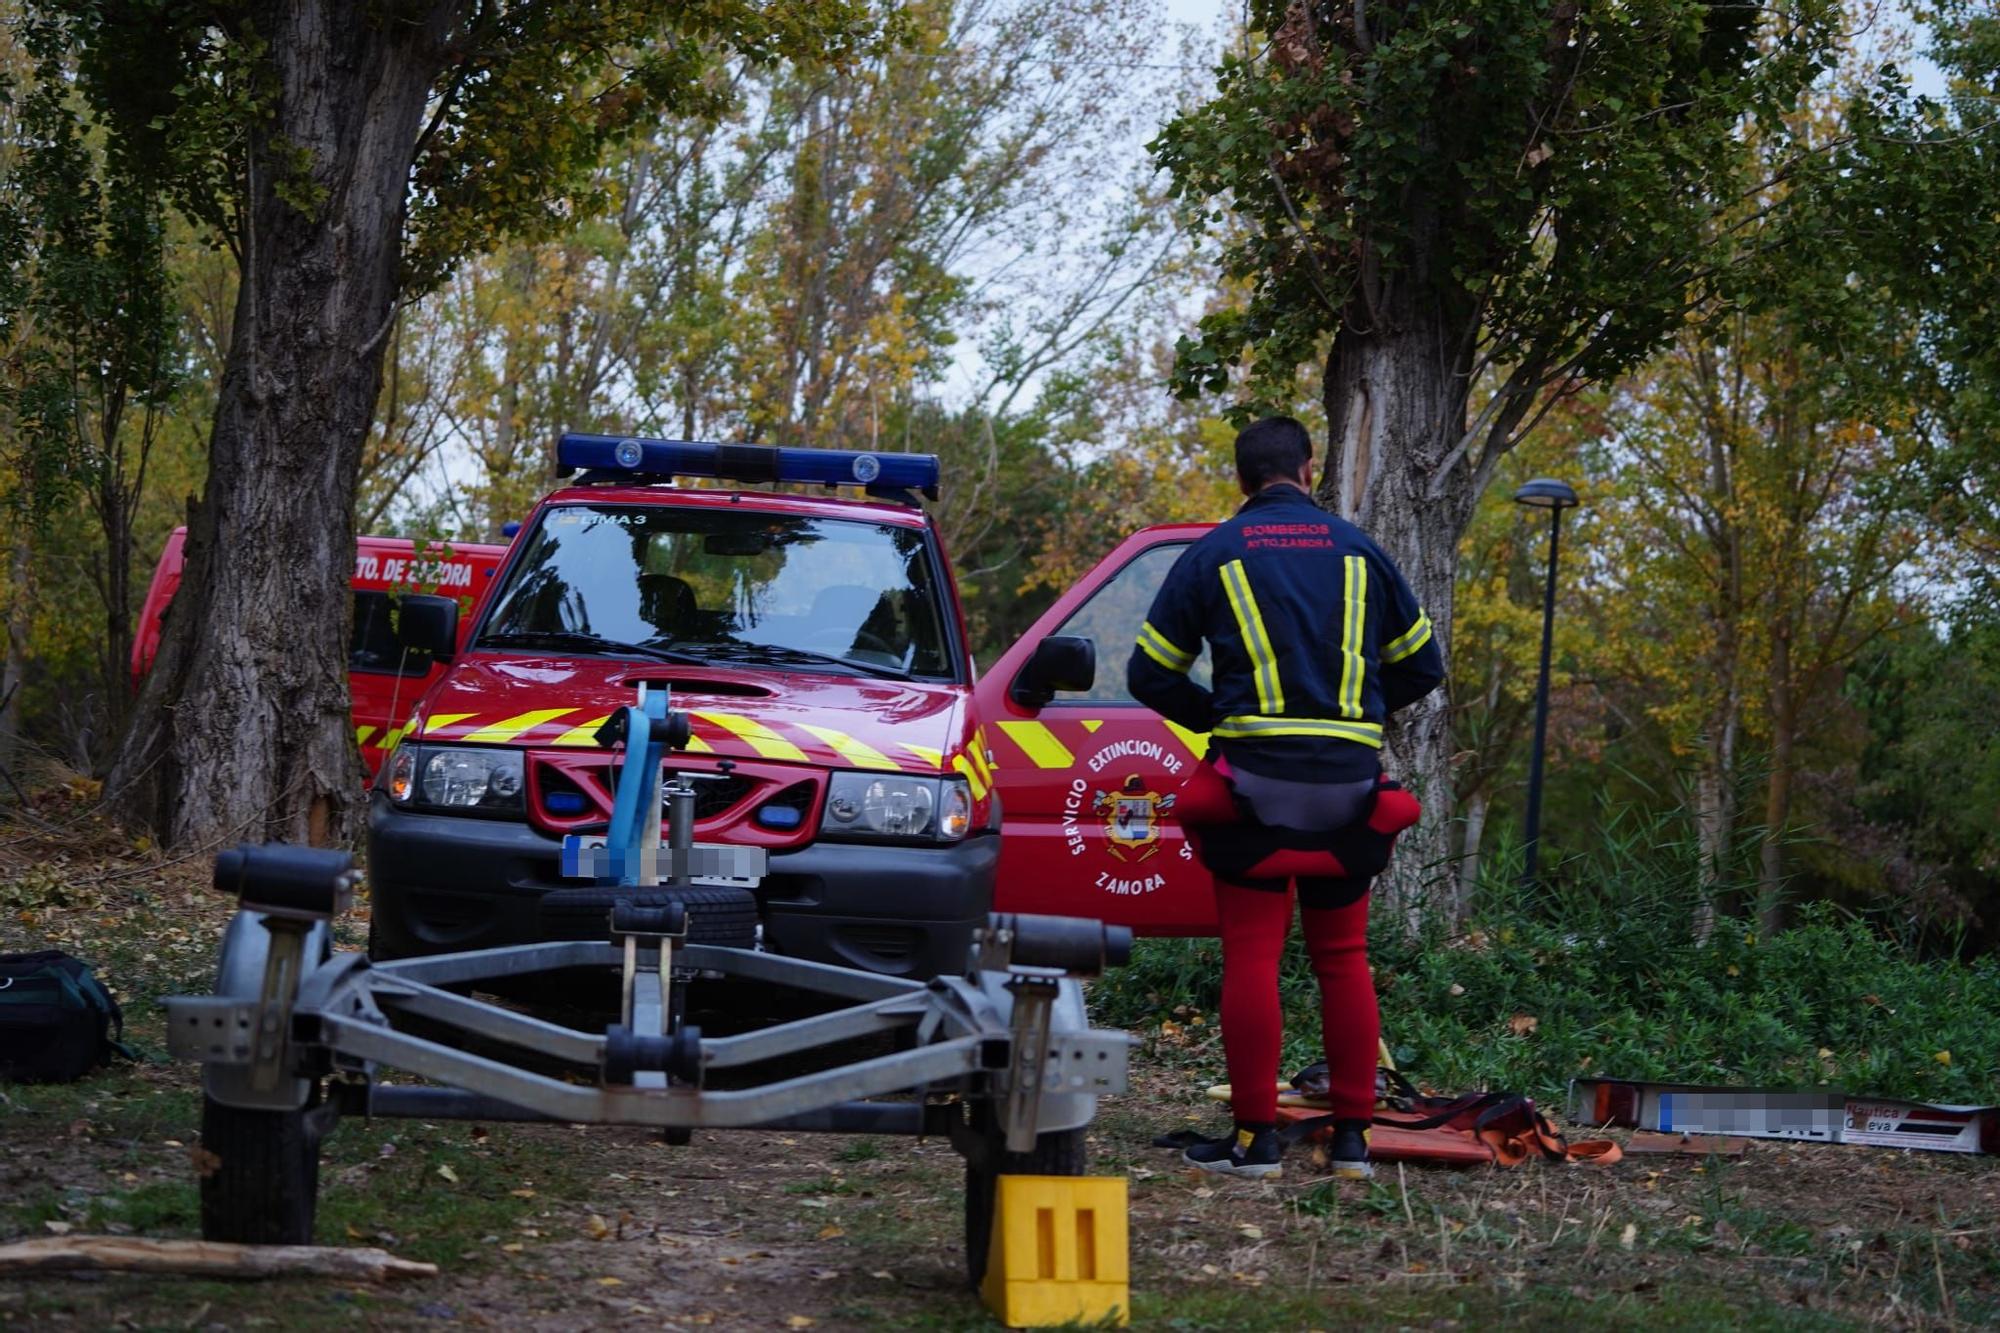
(1037, 953)
(293, 889)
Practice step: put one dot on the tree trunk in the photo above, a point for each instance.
(13, 665)
(1468, 855)
(1395, 406)
(1715, 785)
(1778, 798)
(116, 519)
(242, 729)
(1715, 788)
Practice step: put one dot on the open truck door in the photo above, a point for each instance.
(1087, 777)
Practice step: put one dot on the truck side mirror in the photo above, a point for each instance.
(427, 624)
(1059, 662)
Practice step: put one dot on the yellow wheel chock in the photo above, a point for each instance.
(1060, 1252)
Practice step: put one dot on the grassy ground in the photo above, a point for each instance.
(549, 1227)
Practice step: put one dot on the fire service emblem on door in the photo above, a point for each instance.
(1132, 819)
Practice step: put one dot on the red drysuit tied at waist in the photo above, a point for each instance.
(1234, 846)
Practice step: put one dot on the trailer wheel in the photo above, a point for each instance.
(1057, 1153)
(262, 1186)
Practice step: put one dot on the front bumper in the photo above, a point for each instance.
(444, 883)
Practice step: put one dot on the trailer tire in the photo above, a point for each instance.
(1058, 1153)
(717, 914)
(261, 1181)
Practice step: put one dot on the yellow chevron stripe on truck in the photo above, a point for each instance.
(583, 733)
(932, 760)
(505, 730)
(1039, 743)
(1196, 741)
(856, 752)
(970, 773)
(439, 721)
(766, 742)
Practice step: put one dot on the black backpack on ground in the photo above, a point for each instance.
(57, 1022)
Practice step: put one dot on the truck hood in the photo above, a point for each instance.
(798, 717)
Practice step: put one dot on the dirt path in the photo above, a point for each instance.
(547, 1227)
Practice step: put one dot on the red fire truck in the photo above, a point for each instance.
(387, 679)
(819, 644)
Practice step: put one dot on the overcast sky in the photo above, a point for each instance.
(1209, 13)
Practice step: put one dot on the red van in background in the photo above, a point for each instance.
(386, 679)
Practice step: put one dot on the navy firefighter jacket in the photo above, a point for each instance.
(1314, 639)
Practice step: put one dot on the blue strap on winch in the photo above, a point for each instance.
(645, 754)
(619, 862)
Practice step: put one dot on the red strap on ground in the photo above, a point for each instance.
(1509, 1142)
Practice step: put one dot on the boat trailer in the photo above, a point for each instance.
(1000, 1061)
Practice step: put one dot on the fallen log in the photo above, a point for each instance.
(200, 1258)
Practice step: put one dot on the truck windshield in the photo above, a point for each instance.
(728, 585)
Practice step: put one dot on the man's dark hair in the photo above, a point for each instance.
(1274, 449)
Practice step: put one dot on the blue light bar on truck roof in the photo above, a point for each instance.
(887, 475)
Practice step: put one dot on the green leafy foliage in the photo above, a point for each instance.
(1548, 170)
(1893, 256)
(1608, 971)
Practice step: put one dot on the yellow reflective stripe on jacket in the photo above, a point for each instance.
(1263, 728)
(1263, 660)
(1163, 650)
(1354, 620)
(1411, 639)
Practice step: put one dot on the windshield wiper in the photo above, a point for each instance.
(583, 641)
(777, 653)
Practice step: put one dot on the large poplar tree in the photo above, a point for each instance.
(1461, 210)
(349, 155)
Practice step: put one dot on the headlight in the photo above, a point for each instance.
(893, 805)
(481, 780)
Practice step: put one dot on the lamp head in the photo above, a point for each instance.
(1546, 493)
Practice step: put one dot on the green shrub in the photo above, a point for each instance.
(1605, 963)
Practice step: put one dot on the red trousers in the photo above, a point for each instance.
(1255, 923)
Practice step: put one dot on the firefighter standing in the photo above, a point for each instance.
(1314, 640)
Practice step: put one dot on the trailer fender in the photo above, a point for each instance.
(239, 975)
(1067, 1016)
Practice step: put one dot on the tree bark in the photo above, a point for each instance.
(115, 517)
(1395, 401)
(1474, 834)
(1778, 797)
(13, 665)
(242, 729)
(1715, 786)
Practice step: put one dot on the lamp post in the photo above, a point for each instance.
(1554, 496)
